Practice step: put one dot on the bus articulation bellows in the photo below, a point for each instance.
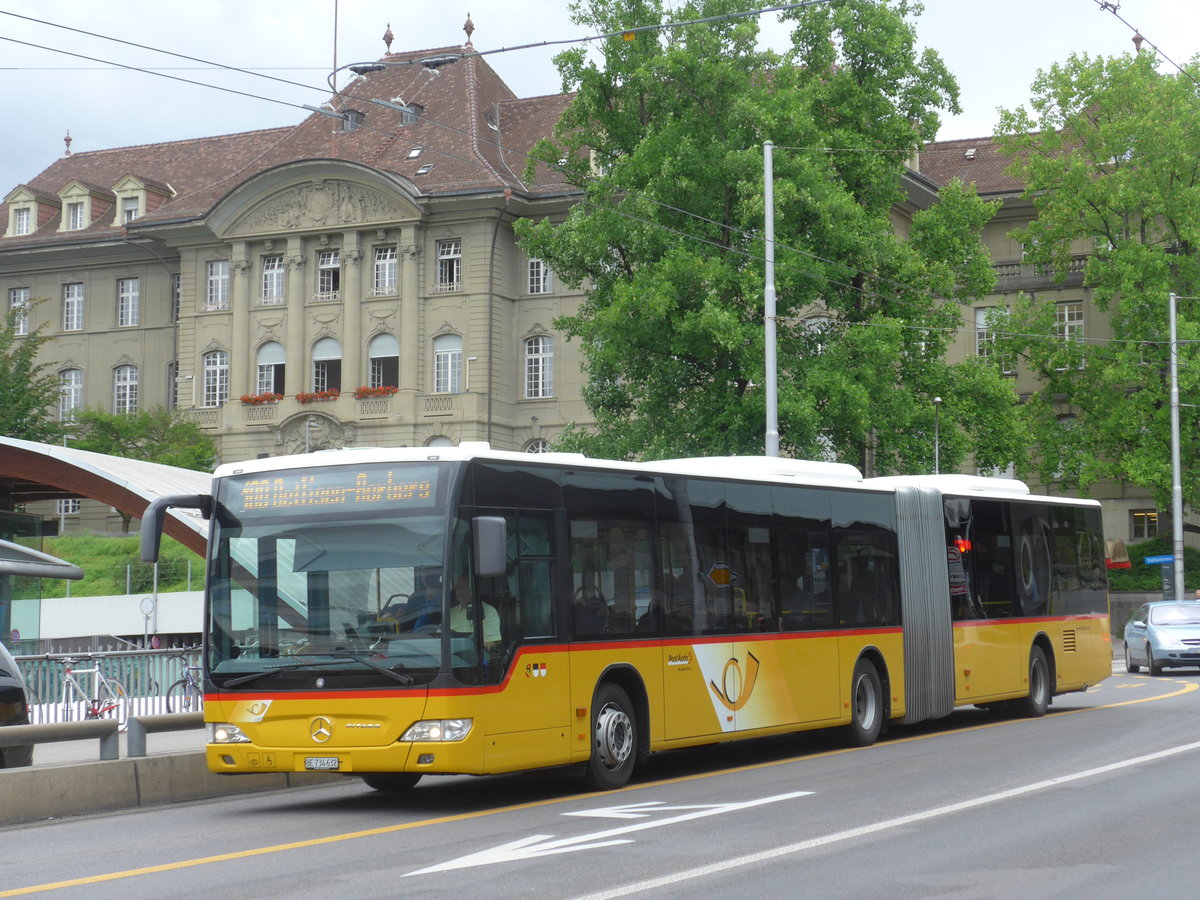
(395, 613)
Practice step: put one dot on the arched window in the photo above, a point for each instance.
(70, 393)
(447, 364)
(383, 354)
(216, 378)
(539, 367)
(327, 365)
(270, 360)
(538, 445)
(439, 441)
(125, 389)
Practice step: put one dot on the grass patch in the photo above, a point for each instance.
(111, 565)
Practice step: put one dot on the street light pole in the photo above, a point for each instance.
(1176, 476)
(937, 435)
(772, 392)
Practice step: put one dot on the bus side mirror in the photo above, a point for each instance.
(491, 539)
(152, 519)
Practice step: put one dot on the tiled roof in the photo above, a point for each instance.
(460, 101)
(975, 161)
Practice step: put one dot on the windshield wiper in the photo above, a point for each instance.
(401, 677)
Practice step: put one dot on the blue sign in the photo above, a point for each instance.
(1159, 560)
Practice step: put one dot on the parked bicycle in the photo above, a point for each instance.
(186, 694)
(107, 697)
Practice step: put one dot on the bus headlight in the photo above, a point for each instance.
(438, 730)
(224, 733)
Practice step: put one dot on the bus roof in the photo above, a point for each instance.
(779, 470)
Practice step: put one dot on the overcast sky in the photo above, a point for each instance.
(994, 48)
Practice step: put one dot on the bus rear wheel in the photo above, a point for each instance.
(1038, 700)
(614, 739)
(391, 782)
(866, 705)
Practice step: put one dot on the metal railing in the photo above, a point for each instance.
(146, 675)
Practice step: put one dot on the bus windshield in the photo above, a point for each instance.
(329, 573)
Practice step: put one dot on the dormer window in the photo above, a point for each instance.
(76, 216)
(351, 119)
(136, 196)
(28, 210)
(131, 208)
(410, 113)
(21, 220)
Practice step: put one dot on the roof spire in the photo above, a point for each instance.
(67, 141)
(387, 37)
(469, 28)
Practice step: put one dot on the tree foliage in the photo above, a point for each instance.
(669, 240)
(158, 435)
(28, 393)
(1108, 154)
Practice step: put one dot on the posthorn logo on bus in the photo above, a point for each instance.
(320, 729)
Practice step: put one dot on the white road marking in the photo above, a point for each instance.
(901, 821)
(536, 845)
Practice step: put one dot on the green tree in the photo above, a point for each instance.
(1108, 157)
(669, 240)
(28, 393)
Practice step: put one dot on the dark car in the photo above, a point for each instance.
(14, 709)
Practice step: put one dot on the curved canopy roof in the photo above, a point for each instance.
(31, 471)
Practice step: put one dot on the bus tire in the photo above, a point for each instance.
(1037, 701)
(614, 739)
(391, 782)
(866, 705)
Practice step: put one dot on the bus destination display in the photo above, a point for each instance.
(329, 490)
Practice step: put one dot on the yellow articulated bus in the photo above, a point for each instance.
(396, 613)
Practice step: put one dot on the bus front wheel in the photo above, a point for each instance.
(614, 739)
(866, 705)
(391, 782)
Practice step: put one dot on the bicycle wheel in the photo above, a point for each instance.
(182, 697)
(113, 702)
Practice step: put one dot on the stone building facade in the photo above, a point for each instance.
(355, 278)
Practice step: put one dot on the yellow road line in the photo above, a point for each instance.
(1188, 687)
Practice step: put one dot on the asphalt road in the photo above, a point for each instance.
(1094, 800)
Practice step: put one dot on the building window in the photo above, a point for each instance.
(18, 306)
(217, 296)
(415, 152)
(270, 360)
(72, 319)
(385, 272)
(327, 365)
(130, 208)
(22, 220)
(329, 274)
(449, 265)
(1143, 523)
(539, 368)
(176, 296)
(75, 220)
(538, 445)
(70, 393)
(540, 281)
(1068, 322)
(410, 112)
(272, 280)
(68, 507)
(216, 378)
(125, 390)
(447, 364)
(425, 169)
(985, 341)
(128, 291)
(383, 354)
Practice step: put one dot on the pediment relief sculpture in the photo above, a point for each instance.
(322, 204)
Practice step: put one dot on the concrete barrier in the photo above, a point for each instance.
(31, 794)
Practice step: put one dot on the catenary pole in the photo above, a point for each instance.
(1176, 474)
(772, 438)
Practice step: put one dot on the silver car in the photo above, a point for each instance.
(1163, 634)
(14, 709)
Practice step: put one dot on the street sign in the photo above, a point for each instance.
(1159, 560)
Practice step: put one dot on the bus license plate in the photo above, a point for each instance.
(321, 763)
